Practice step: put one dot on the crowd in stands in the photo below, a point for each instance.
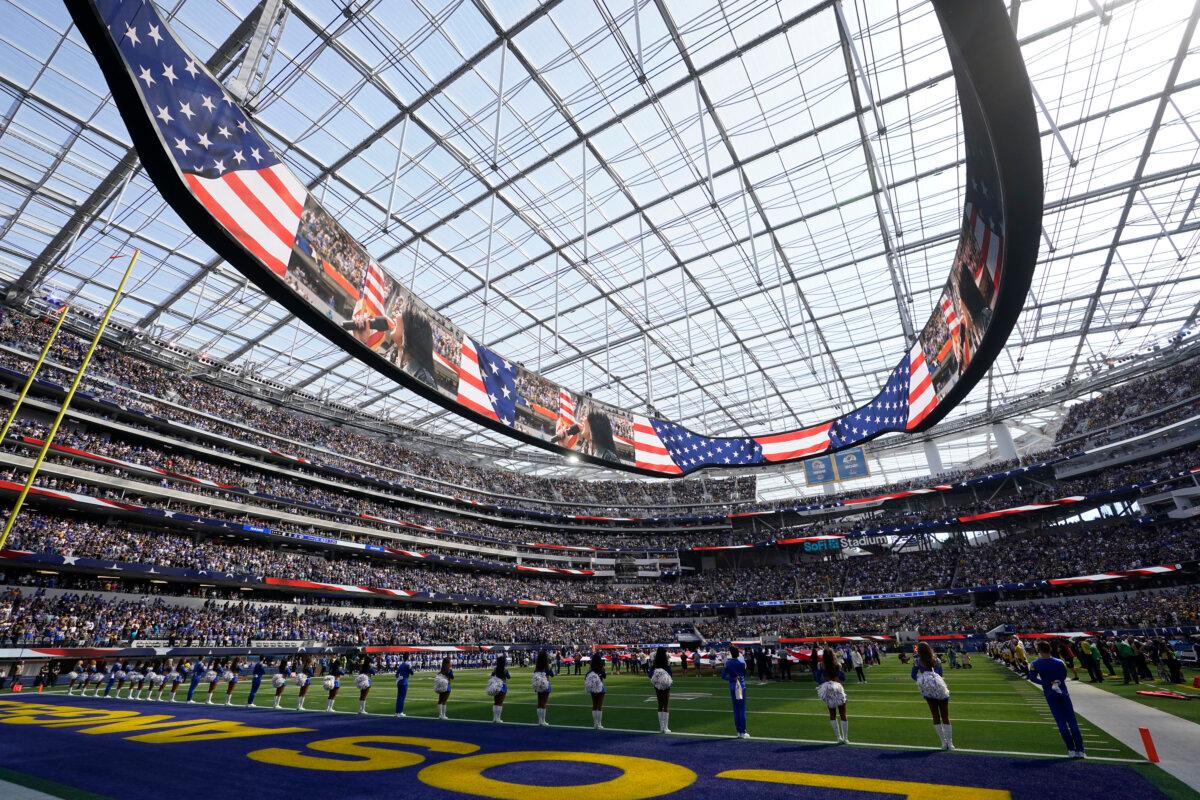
(1141, 397)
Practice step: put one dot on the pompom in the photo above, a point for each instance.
(211, 676)
(593, 683)
(133, 677)
(279, 681)
(329, 683)
(363, 681)
(156, 679)
(72, 675)
(228, 676)
(832, 693)
(97, 677)
(441, 683)
(933, 686)
(494, 686)
(661, 680)
(541, 682)
(301, 679)
(120, 675)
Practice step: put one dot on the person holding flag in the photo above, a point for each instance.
(734, 673)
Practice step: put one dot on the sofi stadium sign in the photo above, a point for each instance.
(209, 160)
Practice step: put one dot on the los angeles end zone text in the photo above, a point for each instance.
(444, 763)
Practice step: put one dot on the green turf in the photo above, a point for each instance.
(990, 708)
(1186, 709)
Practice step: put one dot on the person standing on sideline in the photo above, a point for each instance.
(856, 660)
(443, 682)
(498, 686)
(1051, 674)
(927, 672)
(734, 673)
(198, 670)
(662, 679)
(541, 685)
(403, 673)
(594, 683)
(1128, 664)
(256, 676)
(830, 679)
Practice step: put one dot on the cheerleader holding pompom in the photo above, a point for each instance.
(497, 687)
(280, 683)
(212, 678)
(442, 685)
(363, 681)
(146, 672)
(927, 672)
(541, 685)
(74, 677)
(96, 678)
(333, 682)
(830, 677)
(662, 679)
(176, 676)
(134, 677)
(231, 677)
(120, 676)
(303, 679)
(158, 679)
(594, 683)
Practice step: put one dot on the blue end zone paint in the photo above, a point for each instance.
(110, 764)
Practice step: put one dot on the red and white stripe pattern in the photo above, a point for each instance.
(130, 465)
(374, 300)
(1110, 576)
(921, 395)
(950, 315)
(537, 603)
(471, 391)
(260, 208)
(881, 498)
(566, 418)
(796, 444)
(293, 583)
(1004, 512)
(648, 450)
(554, 570)
(991, 247)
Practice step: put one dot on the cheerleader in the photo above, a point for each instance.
(594, 683)
(175, 676)
(158, 678)
(403, 672)
(927, 672)
(212, 678)
(96, 678)
(133, 676)
(279, 682)
(661, 679)
(363, 682)
(333, 682)
(231, 677)
(146, 671)
(830, 677)
(303, 679)
(497, 687)
(442, 683)
(260, 669)
(541, 685)
(77, 675)
(198, 671)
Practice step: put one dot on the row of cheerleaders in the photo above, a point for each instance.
(162, 680)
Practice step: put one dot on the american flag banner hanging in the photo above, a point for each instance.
(224, 161)
(889, 411)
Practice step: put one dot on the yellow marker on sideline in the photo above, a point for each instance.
(62, 412)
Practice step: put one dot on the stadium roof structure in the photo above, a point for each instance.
(662, 203)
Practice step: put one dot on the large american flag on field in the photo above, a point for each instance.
(224, 161)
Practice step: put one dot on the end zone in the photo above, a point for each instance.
(148, 750)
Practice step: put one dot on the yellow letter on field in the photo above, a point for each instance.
(200, 731)
(367, 759)
(907, 789)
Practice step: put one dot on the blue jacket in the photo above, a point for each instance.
(403, 672)
(1050, 674)
(734, 672)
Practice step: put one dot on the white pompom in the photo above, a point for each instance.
(832, 693)
(156, 679)
(72, 675)
(120, 675)
(279, 681)
(441, 683)
(210, 676)
(933, 686)
(661, 680)
(494, 686)
(228, 676)
(329, 683)
(363, 681)
(541, 682)
(97, 677)
(133, 677)
(301, 679)
(593, 683)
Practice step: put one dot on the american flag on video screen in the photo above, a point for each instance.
(227, 165)
(487, 383)
(887, 412)
(692, 451)
(795, 444)
(566, 419)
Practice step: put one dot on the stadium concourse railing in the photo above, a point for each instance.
(531, 518)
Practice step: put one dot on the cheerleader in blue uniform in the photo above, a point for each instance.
(927, 672)
(77, 675)
(145, 671)
(198, 670)
(303, 680)
(212, 678)
(333, 682)
(176, 675)
(231, 677)
(279, 681)
(734, 673)
(256, 679)
(403, 672)
(497, 687)
(541, 685)
(662, 679)
(96, 678)
(363, 681)
(594, 683)
(830, 679)
(442, 683)
(1051, 674)
(116, 674)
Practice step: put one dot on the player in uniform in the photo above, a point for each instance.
(1051, 674)
(734, 673)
